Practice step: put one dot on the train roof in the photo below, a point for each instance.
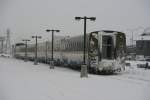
(107, 31)
(79, 37)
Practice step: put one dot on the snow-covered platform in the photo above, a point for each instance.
(21, 80)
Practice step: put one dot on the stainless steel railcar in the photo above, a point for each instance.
(105, 51)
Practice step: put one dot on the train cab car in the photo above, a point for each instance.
(107, 51)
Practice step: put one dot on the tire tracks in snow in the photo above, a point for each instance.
(132, 79)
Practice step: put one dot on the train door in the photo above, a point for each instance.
(93, 50)
(107, 47)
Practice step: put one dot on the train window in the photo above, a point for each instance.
(75, 47)
(72, 46)
(68, 46)
(65, 45)
(78, 46)
(93, 44)
(107, 47)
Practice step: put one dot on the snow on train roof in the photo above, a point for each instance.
(106, 31)
(79, 37)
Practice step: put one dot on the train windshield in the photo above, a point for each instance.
(93, 44)
(107, 47)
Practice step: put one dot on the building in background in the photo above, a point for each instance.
(143, 47)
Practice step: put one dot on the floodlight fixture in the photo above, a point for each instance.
(78, 18)
(92, 18)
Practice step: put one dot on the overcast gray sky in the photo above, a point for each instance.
(25, 18)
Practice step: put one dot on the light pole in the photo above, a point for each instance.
(46, 50)
(84, 66)
(2, 39)
(26, 49)
(35, 59)
(2, 45)
(52, 59)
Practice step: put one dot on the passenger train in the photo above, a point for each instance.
(105, 51)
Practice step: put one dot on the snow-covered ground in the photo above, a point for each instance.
(21, 80)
